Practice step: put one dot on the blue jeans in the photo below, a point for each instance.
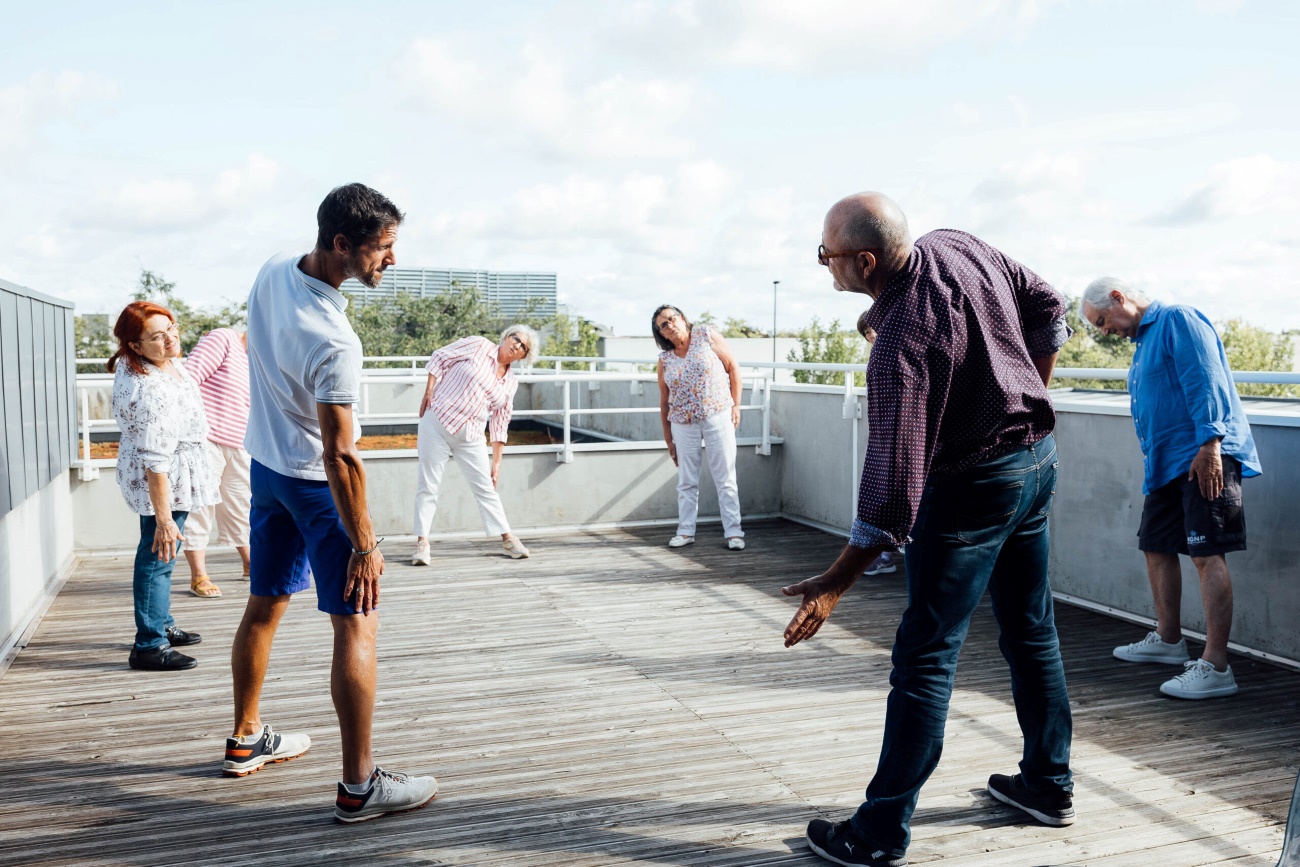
(153, 586)
(985, 528)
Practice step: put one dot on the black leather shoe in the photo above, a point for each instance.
(180, 638)
(161, 659)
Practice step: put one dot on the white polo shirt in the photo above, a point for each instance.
(301, 351)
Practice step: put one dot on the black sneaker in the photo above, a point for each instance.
(180, 638)
(839, 844)
(1050, 808)
(243, 757)
(160, 659)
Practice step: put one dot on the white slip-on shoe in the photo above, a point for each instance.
(389, 792)
(513, 548)
(1154, 649)
(735, 543)
(1200, 679)
(681, 541)
(421, 557)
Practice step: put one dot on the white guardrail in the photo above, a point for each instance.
(760, 380)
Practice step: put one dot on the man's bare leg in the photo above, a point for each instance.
(249, 657)
(1166, 577)
(1216, 596)
(352, 686)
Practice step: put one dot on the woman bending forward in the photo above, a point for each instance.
(471, 385)
(699, 405)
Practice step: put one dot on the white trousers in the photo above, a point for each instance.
(230, 517)
(436, 446)
(718, 439)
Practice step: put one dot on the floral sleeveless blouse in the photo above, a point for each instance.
(698, 386)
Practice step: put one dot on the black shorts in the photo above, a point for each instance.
(1177, 519)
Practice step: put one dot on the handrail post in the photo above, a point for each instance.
(87, 471)
(565, 455)
(765, 447)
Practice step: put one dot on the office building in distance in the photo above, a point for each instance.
(511, 291)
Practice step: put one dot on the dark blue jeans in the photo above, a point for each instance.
(153, 586)
(984, 529)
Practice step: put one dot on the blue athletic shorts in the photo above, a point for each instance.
(296, 533)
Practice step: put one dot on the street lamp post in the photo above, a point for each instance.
(775, 283)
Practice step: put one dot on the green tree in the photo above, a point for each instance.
(194, 322)
(407, 324)
(1249, 347)
(569, 335)
(93, 334)
(705, 318)
(829, 345)
(740, 328)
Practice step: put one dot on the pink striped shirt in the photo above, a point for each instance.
(469, 388)
(219, 363)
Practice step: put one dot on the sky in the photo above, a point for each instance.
(678, 152)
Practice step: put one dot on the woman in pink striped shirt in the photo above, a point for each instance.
(471, 385)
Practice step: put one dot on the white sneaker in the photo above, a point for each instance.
(421, 556)
(735, 543)
(1200, 679)
(513, 548)
(389, 793)
(681, 541)
(1154, 649)
(246, 755)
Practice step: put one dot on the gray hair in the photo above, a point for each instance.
(528, 336)
(1097, 295)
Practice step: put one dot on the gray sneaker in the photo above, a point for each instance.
(1154, 649)
(388, 793)
(1200, 679)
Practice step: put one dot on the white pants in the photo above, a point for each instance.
(436, 446)
(718, 439)
(230, 517)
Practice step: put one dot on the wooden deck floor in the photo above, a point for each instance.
(609, 702)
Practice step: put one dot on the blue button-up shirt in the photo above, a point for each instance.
(1182, 395)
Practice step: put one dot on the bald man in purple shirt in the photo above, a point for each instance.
(961, 468)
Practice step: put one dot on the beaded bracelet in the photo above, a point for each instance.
(371, 550)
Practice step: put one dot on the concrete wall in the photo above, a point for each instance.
(36, 539)
(820, 467)
(598, 487)
(1095, 521)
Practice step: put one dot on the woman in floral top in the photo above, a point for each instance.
(699, 405)
(162, 469)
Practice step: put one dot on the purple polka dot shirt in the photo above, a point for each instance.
(950, 381)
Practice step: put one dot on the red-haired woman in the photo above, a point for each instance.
(162, 469)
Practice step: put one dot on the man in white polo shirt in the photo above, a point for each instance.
(309, 515)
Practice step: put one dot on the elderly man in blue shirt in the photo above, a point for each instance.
(1196, 447)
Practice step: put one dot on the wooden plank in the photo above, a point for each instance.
(609, 702)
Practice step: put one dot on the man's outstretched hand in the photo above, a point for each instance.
(822, 592)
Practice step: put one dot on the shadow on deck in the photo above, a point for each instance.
(609, 702)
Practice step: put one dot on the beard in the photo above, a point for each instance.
(355, 269)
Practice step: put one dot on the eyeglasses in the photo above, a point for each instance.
(667, 320)
(824, 256)
(523, 347)
(161, 336)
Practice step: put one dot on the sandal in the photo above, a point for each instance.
(201, 585)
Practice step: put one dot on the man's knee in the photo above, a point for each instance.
(355, 628)
(1212, 565)
(265, 609)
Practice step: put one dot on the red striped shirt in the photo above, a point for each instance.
(220, 365)
(469, 388)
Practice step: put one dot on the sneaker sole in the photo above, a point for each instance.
(888, 571)
(1155, 659)
(352, 820)
(1054, 821)
(515, 556)
(1217, 692)
(419, 561)
(237, 771)
(831, 858)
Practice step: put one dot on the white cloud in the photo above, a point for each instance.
(533, 100)
(1243, 187)
(43, 99)
(180, 203)
(814, 34)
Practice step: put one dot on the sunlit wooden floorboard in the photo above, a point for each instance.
(608, 701)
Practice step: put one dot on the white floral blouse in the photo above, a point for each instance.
(164, 429)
